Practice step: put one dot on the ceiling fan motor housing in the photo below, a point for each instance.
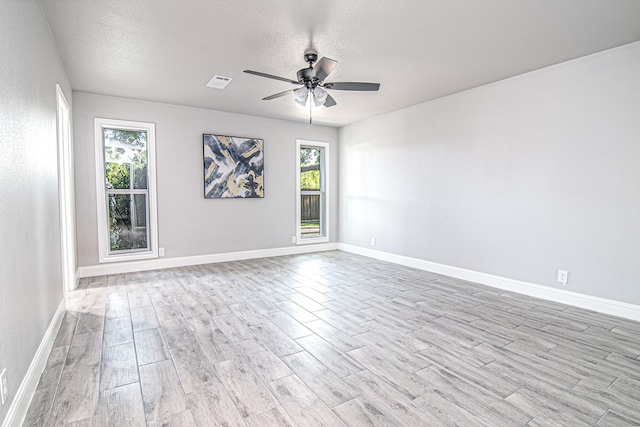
(310, 56)
(304, 77)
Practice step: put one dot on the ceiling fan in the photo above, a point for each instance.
(311, 81)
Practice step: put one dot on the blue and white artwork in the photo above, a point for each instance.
(233, 167)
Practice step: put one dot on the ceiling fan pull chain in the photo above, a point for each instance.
(310, 110)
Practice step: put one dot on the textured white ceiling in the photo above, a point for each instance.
(418, 50)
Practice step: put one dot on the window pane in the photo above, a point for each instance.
(140, 175)
(125, 155)
(125, 231)
(310, 215)
(310, 168)
(140, 214)
(118, 175)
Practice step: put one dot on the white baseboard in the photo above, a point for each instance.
(159, 263)
(602, 305)
(20, 405)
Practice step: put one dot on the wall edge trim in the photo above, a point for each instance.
(161, 263)
(20, 405)
(589, 302)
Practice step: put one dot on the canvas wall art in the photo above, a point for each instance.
(233, 167)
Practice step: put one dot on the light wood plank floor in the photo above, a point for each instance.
(331, 339)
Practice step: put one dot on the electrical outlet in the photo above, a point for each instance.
(293, 239)
(4, 390)
(161, 252)
(563, 276)
(373, 241)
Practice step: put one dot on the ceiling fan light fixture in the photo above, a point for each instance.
(319, 96)
(301, 95)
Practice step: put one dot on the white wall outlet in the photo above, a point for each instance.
(293, 239)
(373, 241)
(161, 252)
(4, 390)
(563, 276)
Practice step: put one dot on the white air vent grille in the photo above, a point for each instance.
(219, 82)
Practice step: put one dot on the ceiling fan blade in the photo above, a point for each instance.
(323, 68)
(330, 102)
(270, 76)
(358, 86)
(277, 95)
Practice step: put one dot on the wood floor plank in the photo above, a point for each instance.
(390, 371)
(322, 381)
(578, 405)
(547, 412)
(150, 346)
(290, 326)
(395, 405)
(53, 368)
(144, 317)
(473, 373)
(340, 340)
(396, 348)
(613, 419)
(233, 327)
(162, 392)
(121, 406)
(91, 321)
(194, 367)
(119, 366)
(139, 298)
(275, 339)
(40, 407)
(117, 308)
(273, 417)
(534, 366)
(177, 333)
(262, 360)
(296, 311)
(77, 395)
(302, 405)
(181, 419)
(212, 406)
(335, 360)
(85, 349)
(67, 328)
(490, 407)
(360, 412)
(246, 390)
(213, 341)
(117, 331)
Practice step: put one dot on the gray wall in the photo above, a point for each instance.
(30, 255)
(518, 179)
(189, 224)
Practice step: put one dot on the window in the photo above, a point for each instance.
(312, 179)
(126, 190)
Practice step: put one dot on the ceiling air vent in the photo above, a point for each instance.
(219, 82)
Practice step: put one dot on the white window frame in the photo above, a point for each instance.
(101, 195)
(324, 190)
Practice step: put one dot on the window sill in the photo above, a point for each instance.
(311, 240)
(129, 257)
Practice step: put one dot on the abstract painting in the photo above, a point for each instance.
(233, 167)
